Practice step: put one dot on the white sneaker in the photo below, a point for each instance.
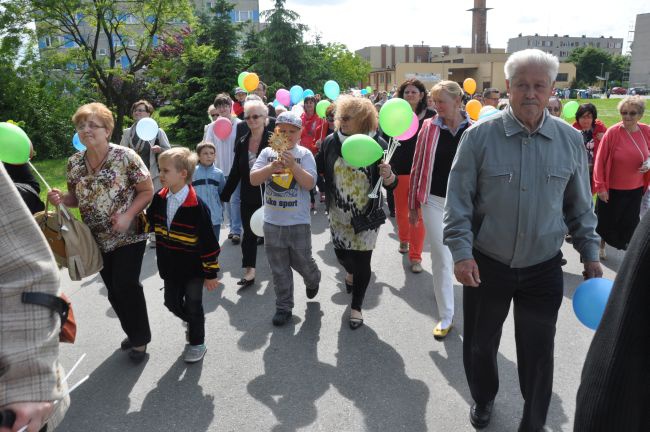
(194, 353)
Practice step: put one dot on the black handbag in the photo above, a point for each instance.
(372, 216)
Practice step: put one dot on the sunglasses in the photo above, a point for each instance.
(554, 109)
(253, 117)
(630, 113)
(140, 110)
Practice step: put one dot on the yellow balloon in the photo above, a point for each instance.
(473, 108)
(469, 85)
(251, 82)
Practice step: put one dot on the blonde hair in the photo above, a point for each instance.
(636, 101)
(360, 109)
(182, 159)
(450, 87)
(97, 110)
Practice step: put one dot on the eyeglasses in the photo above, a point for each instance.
(344, 118)
(329, 119)
(91, 126)
(554, 109)
(140, 110)
(630, 113)
(253, 117)
(411, 92)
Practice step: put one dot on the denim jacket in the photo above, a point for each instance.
(209, 183)
(514, 195)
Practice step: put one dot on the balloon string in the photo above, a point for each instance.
(39, 176)
(388, 154)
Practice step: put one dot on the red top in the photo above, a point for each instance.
(237, 108)
(312, 129)
(620, 155)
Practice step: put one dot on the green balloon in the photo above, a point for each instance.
(14, 144)
(321, 107)
(369, 89)
(240, 79)
(570, 109)
(395, 117)
(360, 150)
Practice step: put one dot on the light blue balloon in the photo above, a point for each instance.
(275, 103)
(76, 143)
(590, 299)
(364, 92)
(296, 94)
(332, 89)
(307, 93)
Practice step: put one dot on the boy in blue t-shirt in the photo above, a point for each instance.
(287, 219)
(209, 181)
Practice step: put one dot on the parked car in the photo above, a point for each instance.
(637, 91)
(619, 90)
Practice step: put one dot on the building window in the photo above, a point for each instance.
(102, 51)
(618, 45)
(381, 78)
(209, 5)
(243, 16)
(562, 77)
(388, 78)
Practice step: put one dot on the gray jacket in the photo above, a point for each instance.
(514, 196)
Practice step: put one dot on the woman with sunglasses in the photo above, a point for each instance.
(347, 195)
(621, 175)
(147, 150)
(247, 149)
(592, 131)
(411, 237)
(111, 186)
(554, 106)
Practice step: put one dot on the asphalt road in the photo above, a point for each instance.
(314, 374)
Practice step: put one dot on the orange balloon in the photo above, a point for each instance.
(473, 108)
(469, 85)
(251, 81)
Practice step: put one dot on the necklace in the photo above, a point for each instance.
(96, 168)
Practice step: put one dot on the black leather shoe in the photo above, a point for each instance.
(126, 344)
(311, 293)
(480, 414)
(281, 318)
(138, 356)
(243, 282)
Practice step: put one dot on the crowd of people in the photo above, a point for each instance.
(495, 216)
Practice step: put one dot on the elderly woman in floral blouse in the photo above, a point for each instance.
(111, 186)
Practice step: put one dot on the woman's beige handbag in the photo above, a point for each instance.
(71, 241)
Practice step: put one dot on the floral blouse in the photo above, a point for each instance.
(109, 191)
(352, 186)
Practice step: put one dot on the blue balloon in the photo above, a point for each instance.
(332, 89)
(295, 93)
(364, 92)
(275, 103)
(307, 93)
(590, 299)
(76, 143)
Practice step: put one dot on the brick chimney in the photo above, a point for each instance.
(479, 26)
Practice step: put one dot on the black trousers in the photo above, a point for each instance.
(185, 300)
(536, 292)
(121, 275)
(618, 218)
(357, 263)
(249, 240)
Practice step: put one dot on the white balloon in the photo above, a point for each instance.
(147, 129)
(257, 222)
(297, 109)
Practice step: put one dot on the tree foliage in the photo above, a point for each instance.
(128, 30)
(590, 62)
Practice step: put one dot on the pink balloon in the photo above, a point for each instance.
(283, 96)
(415, 122)
(222, 128)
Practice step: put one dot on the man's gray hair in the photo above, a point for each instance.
(531, 57)
(252, 97)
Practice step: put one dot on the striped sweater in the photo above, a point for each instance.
(189, 248)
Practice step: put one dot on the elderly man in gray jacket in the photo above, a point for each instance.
(518, 183)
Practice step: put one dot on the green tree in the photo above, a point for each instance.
(280, 49)
(208, 65)
(619, 66)
(128, 30)
(589, 63)
(39, 99)
(343, 66)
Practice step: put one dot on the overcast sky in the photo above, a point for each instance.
(359, 23)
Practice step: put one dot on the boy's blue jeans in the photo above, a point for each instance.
(233, 209)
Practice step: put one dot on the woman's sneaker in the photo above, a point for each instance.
(194, 353)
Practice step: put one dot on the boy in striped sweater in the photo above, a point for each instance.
(186, 246)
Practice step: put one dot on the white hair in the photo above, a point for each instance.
(531, 57)
(255, 103)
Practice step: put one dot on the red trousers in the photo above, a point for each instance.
(407, 233)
